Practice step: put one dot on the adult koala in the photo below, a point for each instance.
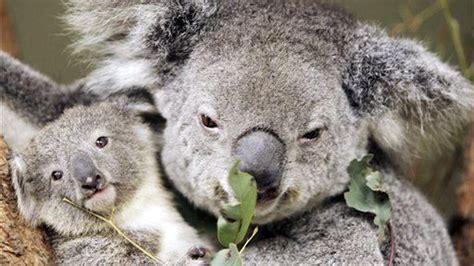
(295, 90)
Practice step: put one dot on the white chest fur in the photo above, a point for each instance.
(151, 209)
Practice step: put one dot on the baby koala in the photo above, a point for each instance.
(102, 158)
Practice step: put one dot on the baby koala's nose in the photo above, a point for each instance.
(93, 182)
(262, 155)
(86, 173)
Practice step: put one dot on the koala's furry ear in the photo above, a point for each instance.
(25, 202)
(136, 99)
(133, 40)
(131, 26)
(140, 101)
(411, 100)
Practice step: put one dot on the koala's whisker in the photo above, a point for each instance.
(116, 228)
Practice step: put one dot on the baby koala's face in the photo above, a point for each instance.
(93, 155)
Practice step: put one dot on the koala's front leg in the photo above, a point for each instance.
(111, 249)
(330, 235)
(105, 249)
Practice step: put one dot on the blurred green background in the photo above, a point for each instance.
(43, 43)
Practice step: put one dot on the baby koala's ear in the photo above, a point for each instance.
(141, 103)
(135, 99)
(25, 200)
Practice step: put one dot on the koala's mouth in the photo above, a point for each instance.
(267, 196)
(96, 192)
(101, 199)
(264, 197)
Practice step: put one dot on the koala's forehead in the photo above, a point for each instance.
(303, 29)
(265, 70)
(264, 84)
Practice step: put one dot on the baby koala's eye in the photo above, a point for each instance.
(101, 142)
(312, 135)
(56, 175)
(208, 122)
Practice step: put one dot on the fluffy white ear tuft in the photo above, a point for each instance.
(135, 100)
(141, 107)
(25, 201)
(116, 75)
(18, 165)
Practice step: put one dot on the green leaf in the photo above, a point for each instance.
(227, 231)
(233, 225)
(245, 190)
(220, 257)
(232, 211)
(366, 194)
(227, 257)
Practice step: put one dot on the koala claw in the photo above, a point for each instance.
(199, 255)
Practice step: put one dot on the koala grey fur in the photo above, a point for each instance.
(29, 100)
(119, 180)
(303, 74)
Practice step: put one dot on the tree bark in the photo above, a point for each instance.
(7, 40)
(464, 237)
(20, 244)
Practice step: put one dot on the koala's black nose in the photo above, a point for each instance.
(86, 173)
(262, 155)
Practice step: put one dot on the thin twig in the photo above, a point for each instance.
(255, 230)
(453, 27)
(470, 70)
(118, 230)
(392, 245)
(418, 19)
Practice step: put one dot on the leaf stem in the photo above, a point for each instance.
(118, 230)
(255, 230)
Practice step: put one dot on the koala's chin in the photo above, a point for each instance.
(101, 201)
(281, 208)
(267, 212)
(283, 204)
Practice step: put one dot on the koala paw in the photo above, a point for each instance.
(198, 255)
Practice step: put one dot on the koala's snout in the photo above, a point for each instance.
(86, 173)
(262, 155)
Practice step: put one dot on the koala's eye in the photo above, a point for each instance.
(312, 135)
(208, 122)
(101, 142)
(56, 175)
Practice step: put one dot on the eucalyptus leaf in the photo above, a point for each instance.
(227, 257)
(366, 194)
(227, 231)
(220, 257)
(245, 190)
(232, 212)
(233, 225)
(234, 259)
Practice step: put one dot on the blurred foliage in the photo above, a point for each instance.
(43, 41)
(413, 22)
